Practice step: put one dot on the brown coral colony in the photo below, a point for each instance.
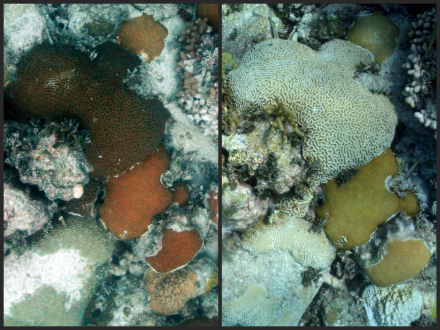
(143, 35)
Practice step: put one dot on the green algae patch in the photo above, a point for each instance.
(402, 260)
(228, 63)
(356, 209)
(375, 33)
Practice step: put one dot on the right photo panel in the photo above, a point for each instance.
(329, 206)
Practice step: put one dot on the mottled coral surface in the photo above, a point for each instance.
(135, 197)
(58, 82)
(178, 248)
(143, 35)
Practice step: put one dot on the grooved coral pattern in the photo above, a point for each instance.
(135, 197)
(346, 126)
(290, 234)
(58, 82)
(169, 292)
(178, 248)
(253, 308)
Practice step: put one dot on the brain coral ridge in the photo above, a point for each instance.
(346, 126)
(58, 82)
(291, 234)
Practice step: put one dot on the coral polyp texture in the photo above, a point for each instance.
(135, 197)
(394, 306)
(253, 308)
(169, 292)
(345, 126)
(143, 35)
(178, 248)
(58, 82)
(210, 12)
(402, 260)
(354, 210)
(291, 234)
(376, 33)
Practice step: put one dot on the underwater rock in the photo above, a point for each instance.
(50, 157)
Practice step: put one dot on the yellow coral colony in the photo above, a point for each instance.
(402, 260)
(345, 126)
(375, 33)
(363, 203)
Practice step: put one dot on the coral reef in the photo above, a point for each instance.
(373, 32)
(353, 211)
(70, 254)
(49, 156)
(290, 234)
(143, 35)
(421, 69)
(210, 13)
(325, 119)
(57, 82)
(395, 306)
(135, 197)
(178, 248)
(260, 94)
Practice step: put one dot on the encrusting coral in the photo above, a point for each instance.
(375, 33)
(58, 82)
(178, 248)
(284, 232)
(253, 308)
(344, 125)
(143, 35)
(135, 197)
(354, 210)
(402, 260)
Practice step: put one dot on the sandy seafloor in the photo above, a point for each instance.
(273, 287)
(88, 278)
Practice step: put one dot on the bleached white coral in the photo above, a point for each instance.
(397, 305)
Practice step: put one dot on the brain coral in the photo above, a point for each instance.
(143, 35)
(291, 234)
(178, 248)
(136, 196)
(345, 125)
(394, 306)
(251, 309)
(57, 82)
(169, 292)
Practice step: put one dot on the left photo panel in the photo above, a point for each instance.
(111, 164)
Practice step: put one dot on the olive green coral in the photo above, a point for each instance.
(346, 125)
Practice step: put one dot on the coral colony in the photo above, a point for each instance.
(111, 218)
